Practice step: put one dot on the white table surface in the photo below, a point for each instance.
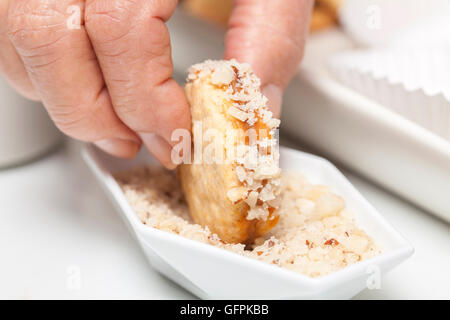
(57, 228)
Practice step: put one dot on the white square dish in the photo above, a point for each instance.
(214, 273)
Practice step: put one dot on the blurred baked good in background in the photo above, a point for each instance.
(215, 11)
(324, 15)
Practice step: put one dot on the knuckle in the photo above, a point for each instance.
(158, 42)
(137, 116)
(73, 121)
(110, 20)
(126, 106)
(32, 24)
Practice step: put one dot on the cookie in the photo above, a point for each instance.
(232, 184)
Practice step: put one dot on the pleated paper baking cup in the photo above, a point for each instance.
(413, 83)
(381, 22)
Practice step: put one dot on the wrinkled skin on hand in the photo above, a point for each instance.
(108, 78)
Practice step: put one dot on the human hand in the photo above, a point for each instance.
(109, 80)
(105, 80)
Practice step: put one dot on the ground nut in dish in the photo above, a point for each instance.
(315, 234)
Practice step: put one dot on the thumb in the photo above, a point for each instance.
(270, 36)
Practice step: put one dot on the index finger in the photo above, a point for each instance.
(132, 45)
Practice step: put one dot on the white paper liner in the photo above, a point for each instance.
(413, 83)
(381, 22)
(430, 32)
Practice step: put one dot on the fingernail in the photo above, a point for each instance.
(159, 147)
(118, 147)
(275, 96)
